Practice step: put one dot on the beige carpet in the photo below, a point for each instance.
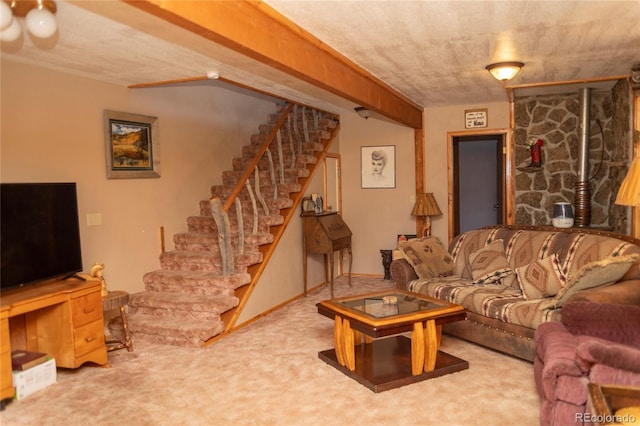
(268, 373)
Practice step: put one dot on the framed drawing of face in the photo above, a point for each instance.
(378, 166)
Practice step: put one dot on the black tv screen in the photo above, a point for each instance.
(40, 232)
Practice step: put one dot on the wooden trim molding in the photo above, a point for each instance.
(256, 30)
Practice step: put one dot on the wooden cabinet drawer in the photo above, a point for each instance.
(89, 337)
(86, 309)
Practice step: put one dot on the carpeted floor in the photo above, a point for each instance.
(268, 373)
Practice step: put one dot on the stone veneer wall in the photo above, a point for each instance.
(554, 119)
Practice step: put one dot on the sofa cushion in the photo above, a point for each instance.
(541, 278)
(595, 274)
(428, 256)
(489, 264)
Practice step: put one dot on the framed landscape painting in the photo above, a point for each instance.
(131, 145)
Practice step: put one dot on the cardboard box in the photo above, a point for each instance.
(34, 379)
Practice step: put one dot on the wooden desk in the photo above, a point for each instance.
(325, 233)
(60, 318)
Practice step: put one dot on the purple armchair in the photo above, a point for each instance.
(594, 343)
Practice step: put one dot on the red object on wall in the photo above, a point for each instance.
(536, 156)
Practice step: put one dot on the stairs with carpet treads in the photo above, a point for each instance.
(189, 300)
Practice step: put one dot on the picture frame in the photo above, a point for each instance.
(475, 118)
(378, 166)
(132, 147)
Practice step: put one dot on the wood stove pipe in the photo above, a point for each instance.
(582, 186)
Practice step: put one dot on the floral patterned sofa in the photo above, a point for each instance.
(512, 279)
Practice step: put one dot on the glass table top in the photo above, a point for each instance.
(391, 304)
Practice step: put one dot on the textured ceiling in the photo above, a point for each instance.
(433, 52)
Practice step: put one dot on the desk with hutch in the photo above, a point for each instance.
(62, 318)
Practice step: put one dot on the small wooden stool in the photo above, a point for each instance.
(118, 300)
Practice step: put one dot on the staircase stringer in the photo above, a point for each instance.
(243, 293)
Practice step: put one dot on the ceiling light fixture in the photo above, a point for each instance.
(38, 14)
(363, 112)
(504, 71)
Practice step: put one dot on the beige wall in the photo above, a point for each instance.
(52, 130)
(375, 216)
(438, 123)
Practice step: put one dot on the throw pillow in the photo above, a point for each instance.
(428, 257)
(541, 279)
(595, 274)
(489, 264)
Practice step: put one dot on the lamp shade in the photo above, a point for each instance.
(504, 71)
(629, 192)
(426, 205)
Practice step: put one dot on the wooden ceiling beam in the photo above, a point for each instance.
(259, 32)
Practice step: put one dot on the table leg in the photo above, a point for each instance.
(331, 269)
(432, 337)
(125, 325)
(425, 342)
(338, 341)
(350, 261)
(343, 338)
(417, 349)
(349, 347)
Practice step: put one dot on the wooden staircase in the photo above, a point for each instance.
(205, 282)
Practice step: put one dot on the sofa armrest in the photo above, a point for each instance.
(592, 350)
(556, 349)
(402, 272)
(623, 292)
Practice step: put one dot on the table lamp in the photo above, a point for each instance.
(426, 206)
(629, 192)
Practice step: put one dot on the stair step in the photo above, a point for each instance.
(201, 283)
(208, 241)
(207, 224)
(173, 331)
(179, 305)
(203, 261)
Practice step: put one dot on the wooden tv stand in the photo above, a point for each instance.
(62, 318)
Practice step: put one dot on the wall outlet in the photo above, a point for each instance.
(94, 219)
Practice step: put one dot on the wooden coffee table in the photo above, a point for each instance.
(395, 360)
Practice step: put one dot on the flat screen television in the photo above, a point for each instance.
(40, 232)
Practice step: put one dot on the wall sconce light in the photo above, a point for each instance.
(38, 16)
(426, 206)
(364, 112)
(504, 71)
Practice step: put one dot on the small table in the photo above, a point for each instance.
(394, 361)
(118, 300)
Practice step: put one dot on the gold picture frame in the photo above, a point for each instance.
(132, 147)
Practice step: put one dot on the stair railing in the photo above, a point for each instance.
(220, 211)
